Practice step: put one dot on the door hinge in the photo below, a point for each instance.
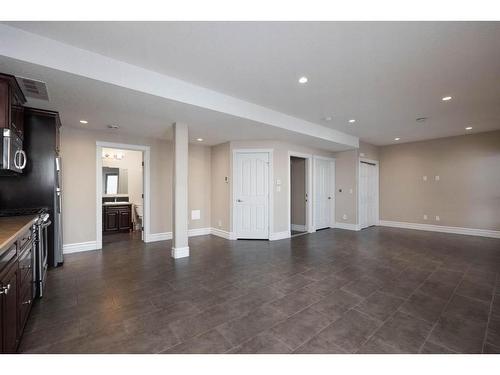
(142, 163)
(142, 195)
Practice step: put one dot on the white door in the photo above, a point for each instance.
(368, 194)
(323, 193)
(251, 195)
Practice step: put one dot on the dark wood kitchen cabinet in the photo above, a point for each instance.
(16, 287)
(116, 218)
(11, 105)
(9, 313)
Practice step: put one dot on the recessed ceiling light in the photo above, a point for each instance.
(303, 80)
(328, 118)
(352, 121)
(446, 98)
(199, 139)
(397, 139)
(112, 126)
(468, 128)
(84, 122)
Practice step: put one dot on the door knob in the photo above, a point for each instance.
(329, 197)
(239, 200)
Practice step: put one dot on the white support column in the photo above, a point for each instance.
(180, 247)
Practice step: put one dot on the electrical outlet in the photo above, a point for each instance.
(425, 217)
(344, 216)
(350, 191)
(437, 218)
(219, 223)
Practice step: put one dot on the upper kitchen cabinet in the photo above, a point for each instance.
(11, 105)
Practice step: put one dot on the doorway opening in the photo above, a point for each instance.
(122, 193)
(368, 193)
(298, 196)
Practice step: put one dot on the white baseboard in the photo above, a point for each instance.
(441, 228)
(279, 235)
(154, 237)
(299, 227)
(80, 246)
(180, 252)
(199, 232)
(347, 226)
(222, 233)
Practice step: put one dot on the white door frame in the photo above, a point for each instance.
(332, 188)
(309, 190)
(146, 186)
(377, 186)
(270, 151)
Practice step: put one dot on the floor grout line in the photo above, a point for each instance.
(490, 312)
(444, 309)
(397, 310)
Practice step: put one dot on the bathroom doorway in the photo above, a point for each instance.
(121, 182)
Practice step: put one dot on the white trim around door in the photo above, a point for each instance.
(146, 187)
(270, 202)
(309, 227)
(331, 189)
(375, 187)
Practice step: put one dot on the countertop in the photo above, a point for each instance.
(116, 203)
(11, 227)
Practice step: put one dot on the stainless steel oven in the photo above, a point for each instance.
(41, 253)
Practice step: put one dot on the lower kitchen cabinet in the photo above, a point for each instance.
(16, 290)
(9, 314)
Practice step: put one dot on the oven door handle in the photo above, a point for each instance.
(46, 224)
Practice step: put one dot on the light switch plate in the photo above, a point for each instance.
(425, 217)
(195, 215)
(424, 178)
(278, 181)
(278, 188)
(436, 178)
(438, 218)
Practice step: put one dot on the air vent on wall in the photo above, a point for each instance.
(33, 88)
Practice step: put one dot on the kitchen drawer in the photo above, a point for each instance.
(8, 256)
(25, 238)
(25, 304)
(26, 267)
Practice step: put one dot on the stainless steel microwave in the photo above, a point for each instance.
(13, 158)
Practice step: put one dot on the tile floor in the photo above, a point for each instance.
(381, 290)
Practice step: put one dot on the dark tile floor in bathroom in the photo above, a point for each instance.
(381, 290)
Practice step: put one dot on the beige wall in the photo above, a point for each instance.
(467, 193)
(368, 151)
(346, 179)
(220, 188)
(298, 190)
(78, 150)
(199, 172)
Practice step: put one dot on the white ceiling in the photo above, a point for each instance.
(102, 104)
(383, 74)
